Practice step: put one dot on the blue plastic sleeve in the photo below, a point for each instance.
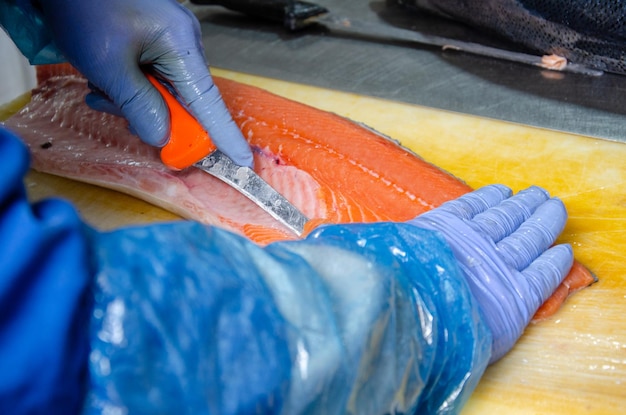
(26, 27)
(355, 318)
(367, 319)
(44, 296)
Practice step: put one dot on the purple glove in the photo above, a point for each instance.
(502, 244)
(110, 41)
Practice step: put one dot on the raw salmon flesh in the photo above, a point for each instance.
(332, 169)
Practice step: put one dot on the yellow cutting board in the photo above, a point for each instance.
(573, 363)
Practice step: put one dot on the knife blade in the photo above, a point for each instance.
(190, 146)
(297, 14)
(254, 188)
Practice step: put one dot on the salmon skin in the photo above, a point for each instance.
(587, 33)
(308, 155)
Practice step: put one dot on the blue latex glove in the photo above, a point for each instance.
(502, 244)
(110, 41)
(44, 301)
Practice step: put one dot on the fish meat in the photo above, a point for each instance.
(587, 33)
(378, 182)
(309, 155)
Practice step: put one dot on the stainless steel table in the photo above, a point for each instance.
(455, 81)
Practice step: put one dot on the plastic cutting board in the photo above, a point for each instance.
(573, 363)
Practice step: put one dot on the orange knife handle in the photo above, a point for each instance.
(188, 142)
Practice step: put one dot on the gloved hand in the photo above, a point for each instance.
(110, 41)
(502, 244)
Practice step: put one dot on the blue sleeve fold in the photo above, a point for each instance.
(44, 296)
(186, 318)
(26, 26)
(364, 319)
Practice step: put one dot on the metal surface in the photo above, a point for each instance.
(382, 32)
(246, 181)
(589, 105)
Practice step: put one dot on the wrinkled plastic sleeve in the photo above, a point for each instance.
(26, 27)
(363, 319)
(44, 296)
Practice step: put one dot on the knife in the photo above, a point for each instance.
(297, 14)
(190, 146)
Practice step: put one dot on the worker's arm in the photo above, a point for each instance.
(364, 318)
(24, 23)
(187, 315)
(44, 296)
(367, 317)
(355, 318)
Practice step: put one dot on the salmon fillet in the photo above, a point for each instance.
(332, 169)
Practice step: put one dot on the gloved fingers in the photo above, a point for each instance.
(207, 105)
(144, 108)
(195, 86)
(535, 235)
(546, 273)
(97, 101)
(178, 58)
(188, 74)
(502, 220)
(473, 203)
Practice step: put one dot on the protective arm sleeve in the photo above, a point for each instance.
(23, 22)
(44, 296)
(367, 319)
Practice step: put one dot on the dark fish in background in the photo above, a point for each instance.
(586, 32)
